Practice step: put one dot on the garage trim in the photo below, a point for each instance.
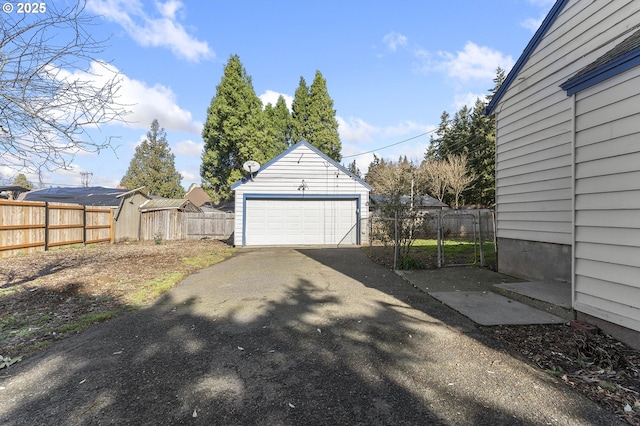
(328, 197)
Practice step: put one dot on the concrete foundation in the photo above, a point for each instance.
(534, 261)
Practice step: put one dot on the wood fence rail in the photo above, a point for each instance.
(37, 226)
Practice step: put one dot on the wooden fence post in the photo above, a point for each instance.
(46, 226)
(84, 225)
(112, 227)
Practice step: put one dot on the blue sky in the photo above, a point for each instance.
(392, 67)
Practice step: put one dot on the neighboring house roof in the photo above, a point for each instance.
(133, 191)
(197, 195)
(15, 191)
(622, 57)
(312, 148)
(420, 201)
(183, 205)
(528, 51)
(223, 206)
(86, 196)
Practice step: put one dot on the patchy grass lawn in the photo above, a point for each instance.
(47, 296)
(424, 254)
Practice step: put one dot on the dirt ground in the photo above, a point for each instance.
(47, 296)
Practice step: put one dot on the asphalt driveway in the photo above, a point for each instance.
(287, 337)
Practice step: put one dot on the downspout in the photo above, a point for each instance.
(573, 202)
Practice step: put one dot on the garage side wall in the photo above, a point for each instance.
(301, 173)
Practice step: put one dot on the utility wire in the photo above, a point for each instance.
(389, 146)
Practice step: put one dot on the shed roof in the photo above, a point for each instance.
(528, 51)
(85, 196)
(180, 204)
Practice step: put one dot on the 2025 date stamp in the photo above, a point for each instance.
(24, 8)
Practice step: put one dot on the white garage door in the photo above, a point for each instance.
(295, 222)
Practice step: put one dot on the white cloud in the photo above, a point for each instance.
(474, 62)
(356, 130)
(271, 97)
(532, 24)
(406, 128)
(190, 177)
(143, 102)
(393, 40)
(469, 99)
(188, 148)
(360, 137)
(162, 30)
(542, 3)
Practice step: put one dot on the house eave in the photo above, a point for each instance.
(602, 73)
(528, 51)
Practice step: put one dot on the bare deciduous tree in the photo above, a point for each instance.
(433, 177)
(52, 88)
(458, 176)
(450, 176)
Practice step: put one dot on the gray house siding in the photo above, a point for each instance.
(607, 203)
(568, 161)
(534, 120)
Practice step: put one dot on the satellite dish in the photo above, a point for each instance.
(251, 166)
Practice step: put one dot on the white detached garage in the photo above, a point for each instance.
(301, 197)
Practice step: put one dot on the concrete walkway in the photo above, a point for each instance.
(288, 337)
(489, 298)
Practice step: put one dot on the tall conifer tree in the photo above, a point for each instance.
(153, 166)
(300, 114)
(314, 119)
(235, 132)
(279, 123)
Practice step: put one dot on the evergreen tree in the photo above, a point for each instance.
(153, 166)
(497, 80)
(481, 157)
(235, 132)
(21, 180)
(279, 123)
(300, 114)
(314, 117)
(353, 168)
(373, 172)
(433, 150)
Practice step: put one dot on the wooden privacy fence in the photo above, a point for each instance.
(177, 225)
(28, 226)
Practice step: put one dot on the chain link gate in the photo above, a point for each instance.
(433, 239)
(457, 239)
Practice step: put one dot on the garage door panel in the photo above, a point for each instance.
(294, 221)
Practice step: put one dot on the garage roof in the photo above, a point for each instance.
(311, 147)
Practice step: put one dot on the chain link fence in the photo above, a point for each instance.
(434, 238)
